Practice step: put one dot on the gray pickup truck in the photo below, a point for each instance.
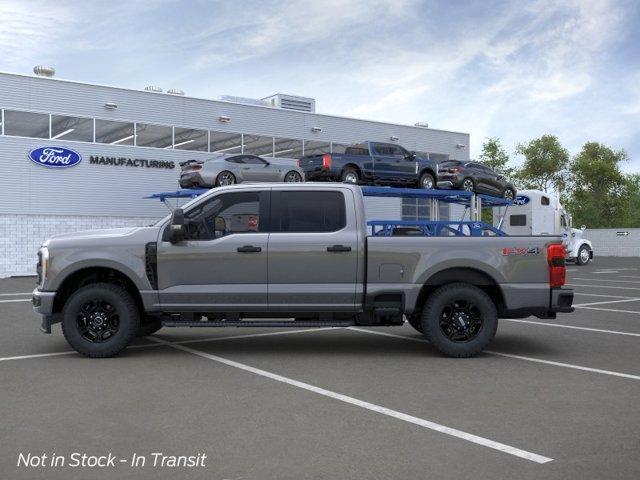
(290, 255)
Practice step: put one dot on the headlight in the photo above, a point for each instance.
(43, 265)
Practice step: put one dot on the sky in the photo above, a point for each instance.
(509, 69)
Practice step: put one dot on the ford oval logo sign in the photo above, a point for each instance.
(521, 200)
(55, 157)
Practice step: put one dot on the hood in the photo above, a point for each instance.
(106, 236)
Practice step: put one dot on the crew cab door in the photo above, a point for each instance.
(222, 262)
(393, 164)
(313, 251)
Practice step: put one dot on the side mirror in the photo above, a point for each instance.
(583, 227)
(176, 227)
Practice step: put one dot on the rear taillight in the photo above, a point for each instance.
(455, 170)
(298, 162)
(557, 268)
(196, 167)
(326, 161)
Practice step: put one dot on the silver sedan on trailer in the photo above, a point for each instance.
(230, 169)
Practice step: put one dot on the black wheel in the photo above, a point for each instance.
(148, 326)
(468, 185)
(100, 320)
(459, 320)
(508, 193)
(293, 177)
(427, 182)
(415, 321)
(225, 178)
(584, 255)
(350, 175)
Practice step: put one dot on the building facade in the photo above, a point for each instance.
(129, 144)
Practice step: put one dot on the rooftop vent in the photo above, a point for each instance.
(44, 71)
(291, 102)
(422, 124)
(244, 100)
(175, 91)
(153, 88)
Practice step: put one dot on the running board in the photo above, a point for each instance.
(260, 323)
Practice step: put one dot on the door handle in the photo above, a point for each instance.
(249, 249)
(339, 248)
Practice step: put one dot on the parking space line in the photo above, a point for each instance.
(13, 300)
(573, 327)
(611, 310)
(366, 405)
(608, 280)
(607, 301)
(509, 355)
(603, 286)
(629, 276)
(178, 342)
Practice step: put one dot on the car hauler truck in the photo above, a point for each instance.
(535, 212)
(302, 258)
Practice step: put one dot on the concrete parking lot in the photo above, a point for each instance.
(551, 399)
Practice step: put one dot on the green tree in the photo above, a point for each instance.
(599, 191)
(545, 164)
(632, 195)
(495, 157)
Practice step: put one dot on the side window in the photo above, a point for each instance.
(381, 149)
(235, 159)
(312, 211)
(518, 220)
(223, 215)
(252, 160)
(397, 151)
(544, 200)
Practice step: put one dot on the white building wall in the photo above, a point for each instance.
(613, 242)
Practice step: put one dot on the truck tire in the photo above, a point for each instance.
(509, 194)
(584, 255)
(350, 175)
(415, 321)
(148, 326)
(100, 320)
(427, 182)
(459, 320)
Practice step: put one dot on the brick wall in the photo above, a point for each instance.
(22, 235)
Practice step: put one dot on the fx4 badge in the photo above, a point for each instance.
(508, 251)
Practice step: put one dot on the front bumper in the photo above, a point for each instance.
(43, 306)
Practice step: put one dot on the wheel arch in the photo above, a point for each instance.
(355, 166)
(95, 274)
(469, 275)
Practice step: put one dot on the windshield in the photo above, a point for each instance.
(184, 207)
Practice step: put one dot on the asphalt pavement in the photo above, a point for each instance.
(552, 399)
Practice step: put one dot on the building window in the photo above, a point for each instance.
(226, 143)
(287, 148)
(338, 147)
(157, 136)
(258, 145)
(26, 124)
(316, 148)
(114, 133)
(190, 139)
(71, 128)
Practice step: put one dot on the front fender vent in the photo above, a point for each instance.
(151, 263)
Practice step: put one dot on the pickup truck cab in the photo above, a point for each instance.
(372, 163)
(288, 255)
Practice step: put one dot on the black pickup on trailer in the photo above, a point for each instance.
(372, 163)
